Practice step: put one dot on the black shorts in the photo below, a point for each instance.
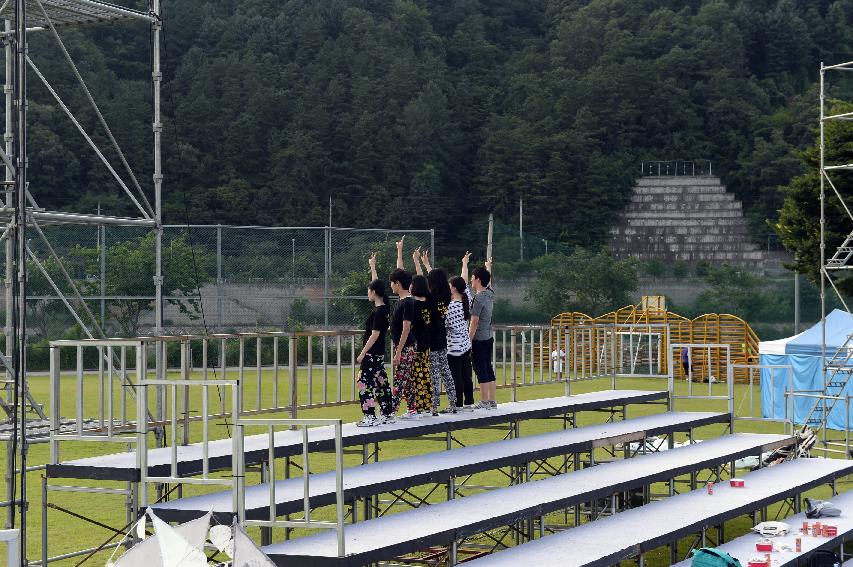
(481, 359)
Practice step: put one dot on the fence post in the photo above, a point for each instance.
(219, 278)
(432, 245)
(512, 344)
(294, 343)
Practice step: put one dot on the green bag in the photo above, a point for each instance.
(711, 557)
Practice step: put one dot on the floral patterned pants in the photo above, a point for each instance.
(439, 372)
(404, 384)
(422, 383)
(374, 388)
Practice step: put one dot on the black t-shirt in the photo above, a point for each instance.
(420, 314)
(377, 321)
(397, 322)
(437, 329)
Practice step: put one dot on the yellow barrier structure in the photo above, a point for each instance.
(648, 317)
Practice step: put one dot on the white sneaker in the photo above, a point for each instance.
(483, 404)
(469, 407)
(409, 415)
(387, 419)
(493, 404)
(367, 421)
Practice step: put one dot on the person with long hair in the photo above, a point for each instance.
(459, 343)
(480, 331)
(374, 388)
(439, 301)
(418, 314)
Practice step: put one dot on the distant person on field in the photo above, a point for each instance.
(480, 331)
(558, 355)
(374, 388)
(439, 301)
(686, 364)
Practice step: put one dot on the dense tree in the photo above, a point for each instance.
(590, 281)
(432, 114)
(798, 223)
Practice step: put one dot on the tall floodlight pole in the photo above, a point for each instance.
(490, 236)
(18, 347)
(521, 229)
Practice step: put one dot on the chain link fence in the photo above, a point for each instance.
(215, 278)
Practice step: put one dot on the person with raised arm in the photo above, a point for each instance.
(459, 343)
(374, 388)
(418, 314)
(402, 339)
(480, 330)
(439, 301)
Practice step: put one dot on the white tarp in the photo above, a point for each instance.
(148, 553)
(246, 553)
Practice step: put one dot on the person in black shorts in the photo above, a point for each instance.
(480, 331)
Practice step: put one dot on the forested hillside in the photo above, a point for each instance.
(416, 113)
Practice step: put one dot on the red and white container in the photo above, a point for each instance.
(756, 562)
(737, 483)
(764, 545)
(830, 531)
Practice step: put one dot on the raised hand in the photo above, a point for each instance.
(372, 263)
(465, 260)
(416, 254)
(400, 252)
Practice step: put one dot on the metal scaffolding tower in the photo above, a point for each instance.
(24, 218)
(838, 363)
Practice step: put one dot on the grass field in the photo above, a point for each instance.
(67, 533)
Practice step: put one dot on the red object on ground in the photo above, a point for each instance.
(710, 487)
(757, 563)
(736, 482)
(764, 545)
(831, 531)
(798, 544)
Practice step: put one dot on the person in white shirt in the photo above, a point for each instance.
(559, 358)
(459, 343)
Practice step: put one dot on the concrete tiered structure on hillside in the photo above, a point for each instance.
(688, 218)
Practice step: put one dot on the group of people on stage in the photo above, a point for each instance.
(440, 328)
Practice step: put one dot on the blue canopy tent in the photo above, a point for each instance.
(802, 352)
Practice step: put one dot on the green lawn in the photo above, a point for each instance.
(67, 533)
